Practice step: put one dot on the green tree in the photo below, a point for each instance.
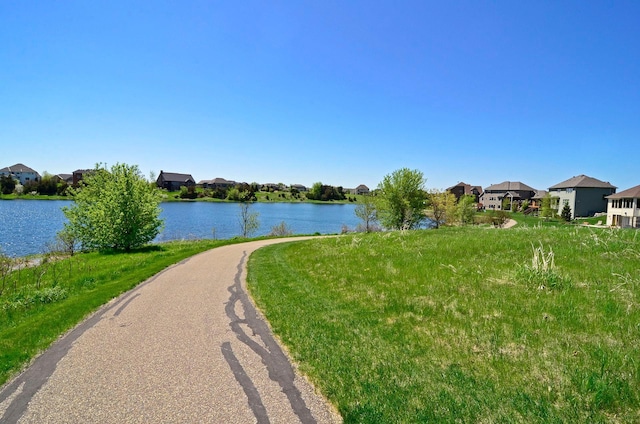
(443, 207)
(114, 209)
(466, 209)
(248, 220)
(7, 184)
(566, 213)
(546, 211)
(367, 211)
(402, 199)
(315, 192)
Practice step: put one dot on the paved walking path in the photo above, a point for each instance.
(185, 346)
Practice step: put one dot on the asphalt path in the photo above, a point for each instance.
(185, 346)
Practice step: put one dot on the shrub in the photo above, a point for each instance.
(281, 230)
(114, 209)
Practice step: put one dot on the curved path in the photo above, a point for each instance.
(185, 346)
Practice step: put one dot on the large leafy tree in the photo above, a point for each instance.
(402, 199)
(114, 209)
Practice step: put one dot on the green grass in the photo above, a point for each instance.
(458, 324)
(28, 196)
(39, 304)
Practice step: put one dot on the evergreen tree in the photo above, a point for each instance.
(566, 213)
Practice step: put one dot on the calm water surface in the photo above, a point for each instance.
(29, 226)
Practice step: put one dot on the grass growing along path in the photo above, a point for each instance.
(456, 325)
(39, 304)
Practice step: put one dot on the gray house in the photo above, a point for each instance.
(508, 192)
(585, 195)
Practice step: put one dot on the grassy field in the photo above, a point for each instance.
(530, 324)
(40, 303)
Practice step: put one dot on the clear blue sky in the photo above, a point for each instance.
(342, 92)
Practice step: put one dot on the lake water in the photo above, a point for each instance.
(29, 226)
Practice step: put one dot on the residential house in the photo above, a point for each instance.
(535, 202)
(623, 209)
(78, 175)
(585, 195)
(506, 193)
(299, 187)
(21, 173)
(172, 181)
(463, 189)
(362, 189)
(217, 183)
(67, 178)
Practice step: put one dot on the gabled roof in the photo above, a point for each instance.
(222, 181)
(468, 189)
(510, 186)
(512, 194)
(174, 176)
(218, 181)
(582, 181)
(631, 193)
(18, 167)
(362, 187)
(540, 194)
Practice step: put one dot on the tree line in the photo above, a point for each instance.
(119, 209)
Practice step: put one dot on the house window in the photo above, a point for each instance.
(569, 190)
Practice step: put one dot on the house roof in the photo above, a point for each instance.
(540, 194)
(18, 167)
(174, 176)
(220, 181)
(631, 193)
(362, 187)
(510, 186)
(468, 189)
(513, 194)
(582, 181)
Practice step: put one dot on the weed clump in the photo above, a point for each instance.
(542, 273)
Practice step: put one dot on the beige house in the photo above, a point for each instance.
(623, 209)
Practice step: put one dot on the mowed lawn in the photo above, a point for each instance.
(455, 325)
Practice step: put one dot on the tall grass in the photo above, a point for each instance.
(463, 324)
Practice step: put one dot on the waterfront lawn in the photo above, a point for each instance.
(38, 304)
(457, 325)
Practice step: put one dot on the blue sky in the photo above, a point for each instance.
(342, 92)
